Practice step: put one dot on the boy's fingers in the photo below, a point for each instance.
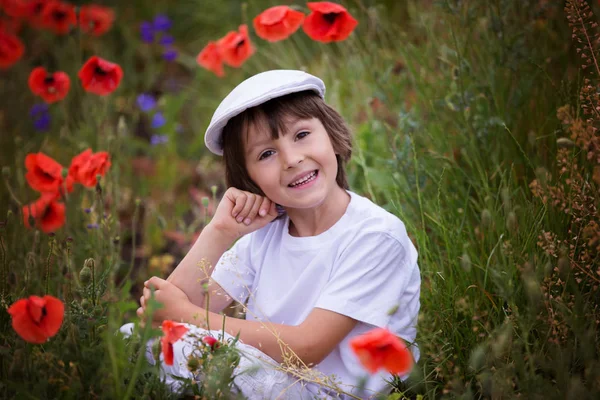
(264, 207)
(239, 201)
(250, 200)
(254, 211)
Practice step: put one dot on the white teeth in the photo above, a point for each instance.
(309, 177)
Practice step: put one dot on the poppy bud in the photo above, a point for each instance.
(211, 341)
(486, 218)
(122, 127)
(162, 223)
(213, 189)
(85, 275)
(85, 304)
(205, 202)
(193, 364)
(9, 215)
(6, 172)
(64, 172)
(511, 222)
(98, 311)
(137, 201)
(90, 263)
(465, 262)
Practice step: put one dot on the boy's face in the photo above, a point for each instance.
(296, 170)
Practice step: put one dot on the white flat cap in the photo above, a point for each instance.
(253, 92)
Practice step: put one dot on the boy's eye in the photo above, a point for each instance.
(265, 154)
(302, 134)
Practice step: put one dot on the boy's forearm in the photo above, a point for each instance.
(198, 264)
(271, 339)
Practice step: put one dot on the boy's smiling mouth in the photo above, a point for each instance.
(304, 179)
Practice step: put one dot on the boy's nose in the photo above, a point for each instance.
(291, 159)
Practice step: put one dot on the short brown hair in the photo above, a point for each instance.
(273, 114)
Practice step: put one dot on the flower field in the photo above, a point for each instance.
(475, 122)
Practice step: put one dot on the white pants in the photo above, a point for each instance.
(256, 375)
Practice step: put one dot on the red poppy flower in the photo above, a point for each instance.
(86, 166)
(37, 319)
(44, 174)
(10, 25)
(49, 215)
(11, 49)
(210, 58)
(59, 17)
(277, 23)
(15, 8)
(380, 348)
(99, 76)
(236, 47)
(211, 342)
(172, 333)
(35, 11)
(50, 87)
(328, 22)
(95, 19)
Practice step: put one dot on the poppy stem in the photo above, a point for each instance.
(12, 194)
(48, 262)
(133, 233)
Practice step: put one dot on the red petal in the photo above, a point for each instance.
(55, 312)
(326, 7)
(167, 350)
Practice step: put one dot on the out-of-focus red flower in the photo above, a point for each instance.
(172, 333)
(211, 342)
(35, 12)
(328, 22)
(10, 25)
(277, 23)
(59, 17)
(99, 76)
(37, 319)
(86, 166)
(210, 58)
(380, 348)
(48, 213)
(96, 20)
(50, 87)
(11, 49)
(15, 8)
(44, 174)
(236, 47)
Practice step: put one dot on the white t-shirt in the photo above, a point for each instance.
(361, 267)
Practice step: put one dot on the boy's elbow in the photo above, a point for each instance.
(310, 353)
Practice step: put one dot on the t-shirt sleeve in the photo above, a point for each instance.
(234, 271)
(369, 279)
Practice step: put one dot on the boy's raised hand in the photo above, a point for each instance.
(240, 213)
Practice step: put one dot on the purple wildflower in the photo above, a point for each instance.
(40, 108)
(147, 32)
(162, 23)
(41, 117)
(87, 210)
(166, 40)
(158, 139)
(146, 102)
(170, 54)
(92, 226)
(158, 120)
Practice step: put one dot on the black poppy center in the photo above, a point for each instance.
(330, 17)
(240, 43)
(49, 80)
(60, 15)
(100, 71)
